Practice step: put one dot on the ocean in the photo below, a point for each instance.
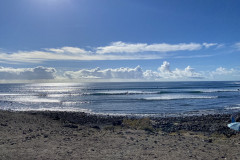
(124, 98)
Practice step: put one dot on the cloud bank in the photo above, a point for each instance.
(222, 73)
(137, 73)
(163, 73)
(119, 73)
(37, 73)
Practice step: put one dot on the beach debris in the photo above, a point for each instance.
(234, 125)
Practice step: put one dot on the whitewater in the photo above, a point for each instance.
(124, 98)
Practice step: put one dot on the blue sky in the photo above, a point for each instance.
(70, 39)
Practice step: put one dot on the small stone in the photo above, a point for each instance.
(2, 124)
(210, 141)
(96, 127)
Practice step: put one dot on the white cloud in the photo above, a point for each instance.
(188, 72)
(114, 51)
(237, 45)
(224, 71)
(119, 73)
(122, 47)
(151, 75)
(164, 72)
(64, 53)
(59, 54)
(165, 67)
(220, 46)
(137, 73)
(207, 45)
(37, 73)
(72, 50)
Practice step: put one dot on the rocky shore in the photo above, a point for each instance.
(75, 135)
(209, 124)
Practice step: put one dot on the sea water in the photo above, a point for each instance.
(127, 98)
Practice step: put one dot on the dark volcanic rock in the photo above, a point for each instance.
(96, 127)
(208, 123)
(83, 118)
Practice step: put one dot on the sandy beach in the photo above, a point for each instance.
(71, 135)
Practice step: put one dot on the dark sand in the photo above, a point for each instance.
(66, 135)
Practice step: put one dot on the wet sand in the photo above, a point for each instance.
(71, 135)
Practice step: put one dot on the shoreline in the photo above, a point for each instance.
(210, 123)
(78, 135)
(136, 115)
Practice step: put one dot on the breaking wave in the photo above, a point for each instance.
(69, 109)
(217, 90)
(123, 92)
(175, 97)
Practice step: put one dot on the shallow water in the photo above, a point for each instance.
(138, 98)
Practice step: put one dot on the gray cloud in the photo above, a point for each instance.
(37, 73)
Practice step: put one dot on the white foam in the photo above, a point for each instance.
(68, 109)
(74, 103)
(172, 97)
(236, 106)
(218, 90)
(63, 90)
(235, 83)
(35, 100)
(116, 92)
(109, 114)
(12, 94)
(232, 108)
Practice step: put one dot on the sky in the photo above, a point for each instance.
(120, 40)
